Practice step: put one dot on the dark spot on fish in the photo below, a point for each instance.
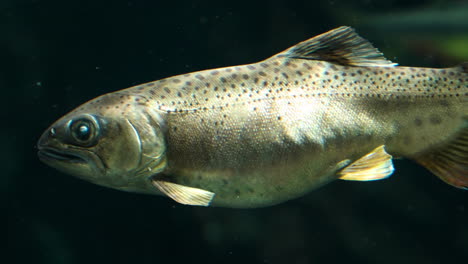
(326, 73)
(222, 79)
(167, 90)
(255, 80)
(359, 72)
(150, 84)
(245, 76)
(215, 72)
(251, 67)
(407, 140)
(265, 83)
(435, 120)
(276, 70)
(179, 94)
(176, 81)
(264, 65)
(234, 75)
(445, 103)
(418, 122)
(262, 73)
(199, 76)
(285, 75)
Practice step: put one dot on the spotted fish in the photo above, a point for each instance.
(331, 107)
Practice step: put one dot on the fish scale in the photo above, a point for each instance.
(331, 107)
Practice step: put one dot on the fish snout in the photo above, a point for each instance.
(45, 138)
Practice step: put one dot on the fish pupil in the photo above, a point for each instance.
(83, 133)
(81, 130)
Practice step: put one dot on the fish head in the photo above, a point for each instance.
(113, 141)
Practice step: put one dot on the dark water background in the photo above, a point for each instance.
(56, 55)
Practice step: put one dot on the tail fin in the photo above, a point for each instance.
(450, 162)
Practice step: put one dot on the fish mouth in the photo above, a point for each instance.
(58, 155)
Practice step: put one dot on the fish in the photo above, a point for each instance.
(331, 107)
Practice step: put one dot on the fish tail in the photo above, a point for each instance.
(450, 162)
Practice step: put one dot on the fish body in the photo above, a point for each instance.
(331, 107)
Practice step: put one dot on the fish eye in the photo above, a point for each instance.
(83, 130)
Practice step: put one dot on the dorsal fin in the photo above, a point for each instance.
(341, 45)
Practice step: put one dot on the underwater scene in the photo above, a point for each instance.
(252, 131)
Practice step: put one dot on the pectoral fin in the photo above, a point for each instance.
(184, 194)
(376, 165)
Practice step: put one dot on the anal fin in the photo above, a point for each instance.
(184, 194)
(376, 165)
(450, 162)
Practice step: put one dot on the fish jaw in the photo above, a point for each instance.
(66, 158)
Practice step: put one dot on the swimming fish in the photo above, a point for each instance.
(331, 107)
